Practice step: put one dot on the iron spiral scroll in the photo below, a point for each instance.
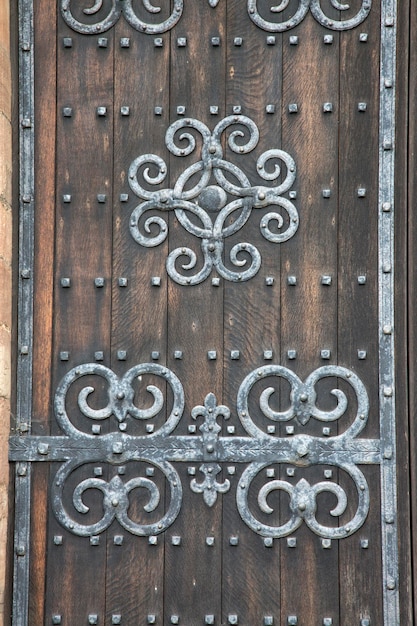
(108, 18)
(83, 443)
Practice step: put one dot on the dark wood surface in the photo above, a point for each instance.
(85, 155)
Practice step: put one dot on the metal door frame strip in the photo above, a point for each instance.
(25, 310)
(389, 527)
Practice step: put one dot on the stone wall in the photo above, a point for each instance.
(5, 282)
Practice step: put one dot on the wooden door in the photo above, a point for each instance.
(206, 415)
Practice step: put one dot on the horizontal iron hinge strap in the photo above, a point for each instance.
(116, 448)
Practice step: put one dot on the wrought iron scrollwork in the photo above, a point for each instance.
(303, 7)
(222, 189)
(161, 448)
(126, 8)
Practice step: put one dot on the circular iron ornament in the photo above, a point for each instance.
(221, 189)
(120, 397)
(115, 503)
(118, 8)
(303, 8)
(303, 503)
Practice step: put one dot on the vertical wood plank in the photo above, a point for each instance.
(309, 307)
(251, 588)
(195, 320)
(358, 292)
(139, 308)
(45, 137)
(82, 307)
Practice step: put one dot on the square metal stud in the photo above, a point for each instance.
(327, 621)
(156, 281)
(64, 355)
(158, 110)
(96, 429)
(125, 42)
(289, 430)
(175, 619)
(326, 431)
(293, 195)
(124, 197)
(214, 110)
(176, 540)
(158, 42)
(363, 37)
(93, 619)
(291, 542)
(364, 544)
(58, 540)
(293, 108)
(293, 40)
(99, 282)
(235, 355)
(328, 473)
(326, 193)
(237, 109)
(361, 192)
(150, 428)
(101, 198)
(155, 355)
(66, 198)
(151, 619)
(210, 541)
(102, 42)
(325, 354)
(270, 108)
(271, 40)
(270, 472)
(122, 281)
(215, 281)
(326, 544)
(290, 471)
(191, 471)
(215, 41)
(101, 111)
(232, 619)
(365, 621)
(181, 42)
(94, 540)
(98, 471)
(268, 620)
(121, 355)
(180, 110)
(230, 430)
(327, 107)
(118, 540)
(209, 619)
(192, 429)
(67, 42)
(67, 111)
(124, 110)
(237, 41)
(268, 355)
(292, 354)
(268, 542)
(56, 619)
(153, 540)
(292, 620)
(362, 106)
(231, 470)
(233, 540)
(328, 39)
(178, 354)
(361, 355)
(326, 280)
(66, 282)
(291, 281)
(116, 619)
(269, 281)
(362, 279)
(270, 430)
(212, 355)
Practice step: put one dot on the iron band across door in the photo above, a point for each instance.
(160, 448)
(151, 27)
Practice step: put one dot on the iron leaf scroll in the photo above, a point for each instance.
(83, 443)
(152, 27)
(222, 190)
